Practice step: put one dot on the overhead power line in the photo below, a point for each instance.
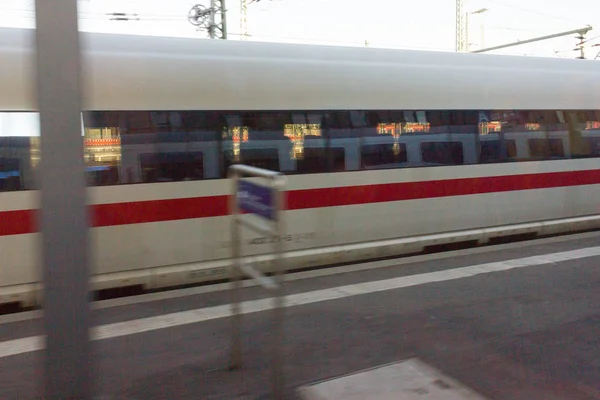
(580, 46)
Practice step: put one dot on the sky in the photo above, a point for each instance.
(422, 24)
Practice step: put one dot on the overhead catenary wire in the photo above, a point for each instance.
(153, 17)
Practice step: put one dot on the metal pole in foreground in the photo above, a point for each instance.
(235, 278)
(278, 300)
(63, 214)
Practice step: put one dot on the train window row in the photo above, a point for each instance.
(126, 147)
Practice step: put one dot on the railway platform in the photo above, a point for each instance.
(517, 321)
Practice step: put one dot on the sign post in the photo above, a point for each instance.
(262, 206)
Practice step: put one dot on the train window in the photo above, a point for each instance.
(339, 120)
(336, 158)
(102, 148)
(592, 120)
(193, 120)
(102, 175)
(313, 161)
(100, 119)
(321, 159)
(546, 148)
(161, 121)
(266, 158)
(19, 150)
(453, 121)
(442, 153)
(261, 139)
(419, 117)
(383, 155)
(497, 151)
(261, 158)
(167, 145)
(137, 122)
(594, 146)
(273, 121)
(358, 119)
(169, 167)
(10, 175)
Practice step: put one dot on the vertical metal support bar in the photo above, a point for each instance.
(223, 20)
(234, 273)
(278, 309)
(212, 22)
(63, 216)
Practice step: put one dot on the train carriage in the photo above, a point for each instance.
(387, 152)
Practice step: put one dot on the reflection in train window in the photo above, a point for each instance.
(260, 158)
(338, 120)
(383, 155)
(10, 175)
(313, 161)
(497, 151)
(336, 159)
(170, 145)
(593, 146)
(102, 175)
(319, 160)
(442, 153)
(169, 167)
(543, 148)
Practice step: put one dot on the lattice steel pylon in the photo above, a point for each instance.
(461, 26)
(244, 19)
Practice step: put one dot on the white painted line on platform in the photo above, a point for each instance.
(405, 380)
(25, 345)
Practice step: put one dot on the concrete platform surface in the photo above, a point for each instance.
(409, 379)
(510, 322)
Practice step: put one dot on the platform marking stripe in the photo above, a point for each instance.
(126, 328)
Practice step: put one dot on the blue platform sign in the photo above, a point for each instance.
(256, 199)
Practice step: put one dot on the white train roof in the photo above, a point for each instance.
(129, 72)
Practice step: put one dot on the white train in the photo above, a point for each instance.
(387, 152)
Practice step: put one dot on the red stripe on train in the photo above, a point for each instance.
(17, 222)
(139, 212)
(353, 195)
(24, 221)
